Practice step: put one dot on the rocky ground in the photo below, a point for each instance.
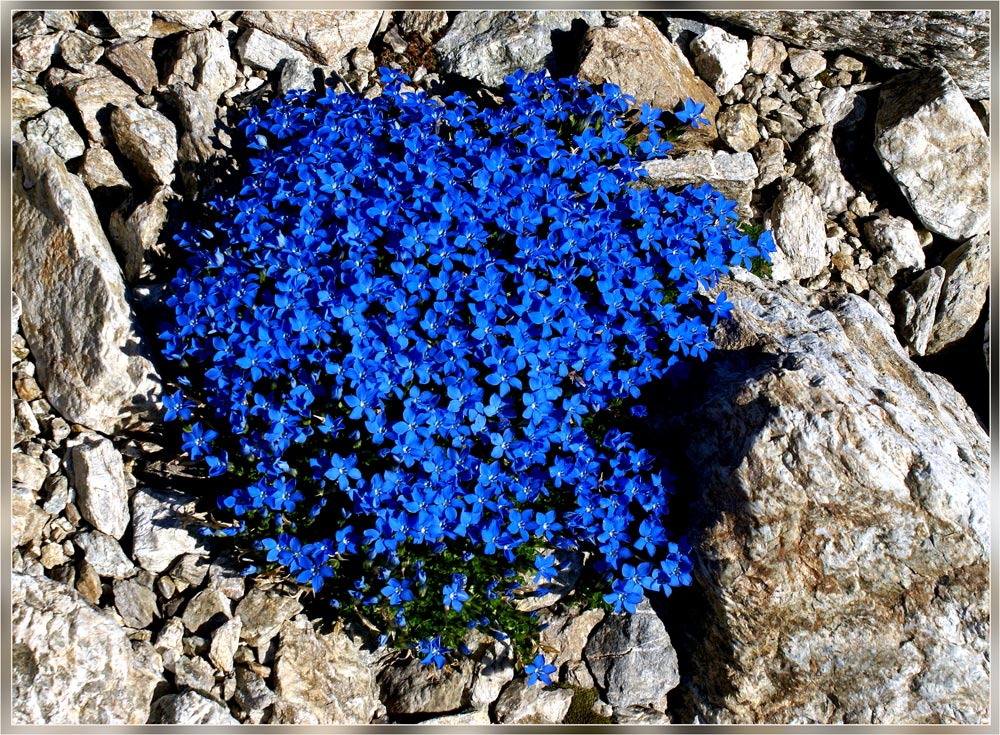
(839, 479)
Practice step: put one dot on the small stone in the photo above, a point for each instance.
(190, 708)
(492, 673)
(963, 293)
(28, 103)
(59, 430)
(423, 23)
(395, 41)
(931, 142)
(135, 230)
(27, 23)
(721, 59)
(566, 634)
(193, 19)
(60, 20)
(148, 139)
(134, 63)
(363, 60)
(79, 49)
(521, 704)
(195, 673)
(192, 569)
(27, 388)
(810, 110)
(767, 55)
(843, 62)
(252, 692)
(732, 174)
(805, 63)
(130, 23)
(25, 423)
(632, 659)
(819, 167)
(35, 53)
(737, 127)
(204, 62)
(895, 238)
(160, 532)
(28, 471)
(105, 555)
(100, 171)
(206, 610)
(225, 641)
(917, 307)
(297, 73)
(263, 613)
(99, 479)
(407, 687)
(224, 575)
(135, 603)
(799, 233)
(261, 51)
(53, 555)
(770, 156)
(88, 583)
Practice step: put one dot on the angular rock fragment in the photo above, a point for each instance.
(732, 174)
(129, 24)
(99, 479)
(204, 62)
(324, 36)
(160, 529)
(931, 142)
(721, 58)
(819, 167)
(799, 233)
(963, 293)
(190, 708)
(92, 369)
(135, 63)
(917, 308)
(489, 45)
(71, 663)
(639, 59)
(148, 139)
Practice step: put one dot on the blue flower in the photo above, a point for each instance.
(691, 113)
(539, 671)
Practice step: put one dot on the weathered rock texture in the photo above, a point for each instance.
(91, 364)
(844, 507)
(72, 663)
(325, 36)
(638, 58)
(931, 142)
(959, 40)
(489, 45)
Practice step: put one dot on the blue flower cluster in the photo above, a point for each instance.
(403, 323)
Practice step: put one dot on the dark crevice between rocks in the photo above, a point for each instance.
(564, 59)
(963, 364)
(694, 616)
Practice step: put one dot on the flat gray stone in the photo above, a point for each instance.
(104, 554)
(99, 479)
(160, 533)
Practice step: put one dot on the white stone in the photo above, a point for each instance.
(799, 233)
(721, 58)
(161, 529)
(99, 479)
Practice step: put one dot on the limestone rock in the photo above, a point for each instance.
(917, 307)
(958, 40)
(135, 231)
(159, 531)
(767, 55)
(567, 634)
(27, 519)
(204, 62)
(489, 45)
(27, 103)
(35, 53)
(262, 51)
(92, 368)
(135, 603)
(639, 59)
(99, 479)
(325, 679)
(206, 611)
(842, 106)
(963, 294)
(632, 659)
(806, 63)
(324, 36)
(931, 142)
(99, 170)
(721, 58)
(409, 687)
(738, 127)
(225, 641)
(95, 92)
(196, 20)
(799, 233)
(135, 64)
(895, 238)
(521, 704)
(476, 717)
(148, 139)
(190, 708)
(263, 614)
(71, 663)
(492, 673)
(424, 23)
(819, 167)
(130, 24)
(28, 471)
(732, 174)
(105, 555)
(844, 514)
(79, 49)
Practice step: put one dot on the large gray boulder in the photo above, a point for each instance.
(841, 523)
(489, 45)
(932, 143)
(71, 663)
(76, 317)
(958, 40)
